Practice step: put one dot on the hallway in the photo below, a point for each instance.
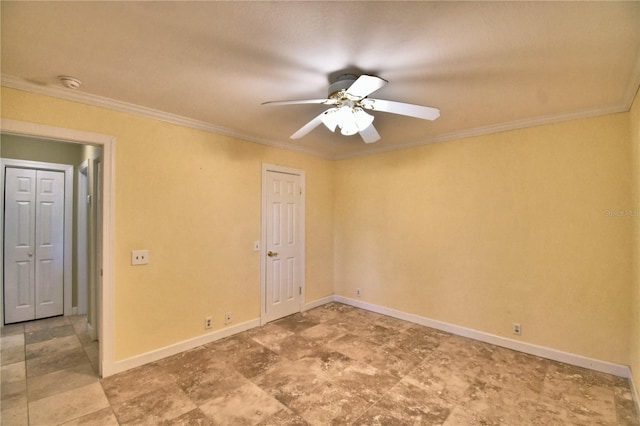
(42, 360)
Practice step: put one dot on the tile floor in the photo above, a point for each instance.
(332, 365)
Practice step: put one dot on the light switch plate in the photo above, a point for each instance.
(139, 257)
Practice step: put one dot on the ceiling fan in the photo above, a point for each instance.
(348, 98)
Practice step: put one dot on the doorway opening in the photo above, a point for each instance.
(88, 268)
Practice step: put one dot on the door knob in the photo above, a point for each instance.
(272, 253)
(30, 254)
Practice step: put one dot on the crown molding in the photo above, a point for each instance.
(113, 104)
(498, 128)
(100, 101)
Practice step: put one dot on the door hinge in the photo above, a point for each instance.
(300, 288)
(300, 191)
(89, 199)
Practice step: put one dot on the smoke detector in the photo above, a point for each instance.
(69, 82)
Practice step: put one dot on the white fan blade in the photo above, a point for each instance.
(418, 111)
(364, 85)
(370, 134)
(308, 127)
(301, 101)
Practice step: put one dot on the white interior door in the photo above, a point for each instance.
(19, 239)
(283, 245)
(34, 244)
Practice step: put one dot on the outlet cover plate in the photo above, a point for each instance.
(139, 257)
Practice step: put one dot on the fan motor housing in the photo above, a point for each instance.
(341, 84)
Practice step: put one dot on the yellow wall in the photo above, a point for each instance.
(193, 199)
(634, 361)
(487, 231)
(519, 226)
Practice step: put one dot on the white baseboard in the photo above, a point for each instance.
(541, 351)
(185, 345)
(155, 355)
(529, 348)
(318, 302)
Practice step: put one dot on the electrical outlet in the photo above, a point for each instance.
(139, 257)
(208, 322)
(227, 318)
(358, 292)
(517, 330)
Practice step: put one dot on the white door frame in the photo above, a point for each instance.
(108, 145)
(67, 277)
(263, 238)
(82, 277)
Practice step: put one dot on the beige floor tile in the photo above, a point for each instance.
(322, 333)
(365, 381)
(15, 415)
(329, 404)
(444, 374)
(42, 334)
(14, 391)
(297, 322)
(193, 417)
(212, 382)
(254, 362)
(57, 361)
(93, 354)
(12, 349)
(133, 383)
(269, 334)
(283, 418)
(246, 405)
(414, 405)
(60, 381)
(290, 380)
(69, 405)
(12, 329)
(155, 406)
(11, 341)
(14, 372)
(12, 355)
(48, 323)
(53, 346)
(335, 364)
(625, 405)
(104, 417)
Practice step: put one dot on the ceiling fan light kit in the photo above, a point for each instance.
(348, 97)
(351, 120)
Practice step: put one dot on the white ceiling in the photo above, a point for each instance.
(487, 66)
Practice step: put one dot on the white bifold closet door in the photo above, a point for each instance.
(33, 244)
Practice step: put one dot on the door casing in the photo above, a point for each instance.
(82, 238)
(263, 249)
(107, 364)
(68, 219)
